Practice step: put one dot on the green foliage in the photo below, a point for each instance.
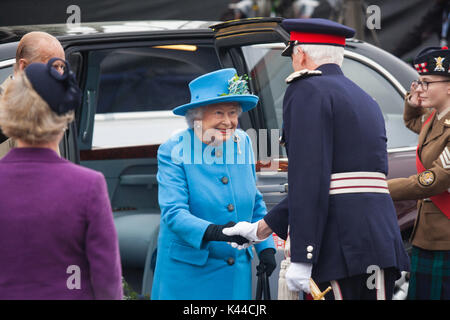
(130, 294)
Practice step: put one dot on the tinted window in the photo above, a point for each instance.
(5, 73)
(389, 100)
(138, 88)
(150, 79)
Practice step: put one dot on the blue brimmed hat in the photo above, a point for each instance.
(216, 87)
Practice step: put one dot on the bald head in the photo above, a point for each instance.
(37, 47)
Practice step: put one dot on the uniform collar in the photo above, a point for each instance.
(443, 113)
(330, 69)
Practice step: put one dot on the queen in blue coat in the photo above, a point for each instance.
(207, 181)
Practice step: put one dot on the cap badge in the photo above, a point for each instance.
(426, 178)
(439, 61)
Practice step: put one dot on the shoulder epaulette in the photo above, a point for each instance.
(305, 73)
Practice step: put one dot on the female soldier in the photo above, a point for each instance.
(427, 112)
(206, 177)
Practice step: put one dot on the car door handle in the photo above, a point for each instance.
(138, 180)
(90, 103)
(282, 188)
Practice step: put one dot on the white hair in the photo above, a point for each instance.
(322, 54)
(193, 115)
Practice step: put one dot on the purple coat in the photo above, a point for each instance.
(57, 235)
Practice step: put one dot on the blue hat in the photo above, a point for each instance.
(433, 61)
(219, 86)
(315, 31)
(60, 91)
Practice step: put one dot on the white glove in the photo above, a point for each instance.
(245, 229)
(298, 275)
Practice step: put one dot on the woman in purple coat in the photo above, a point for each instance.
(57, 236)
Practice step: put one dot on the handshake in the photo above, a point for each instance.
(239, 235)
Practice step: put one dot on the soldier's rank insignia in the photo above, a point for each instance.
(445, 158)
(426, 178)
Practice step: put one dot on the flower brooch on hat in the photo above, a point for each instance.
(237, 85)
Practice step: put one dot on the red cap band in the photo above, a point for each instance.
(303, 37)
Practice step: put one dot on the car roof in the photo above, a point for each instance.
(67, 31)
(10, 35)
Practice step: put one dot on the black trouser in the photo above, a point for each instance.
(363, 286)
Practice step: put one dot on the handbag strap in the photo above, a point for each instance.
(262, 285)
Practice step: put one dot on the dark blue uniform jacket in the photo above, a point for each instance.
(332, 126)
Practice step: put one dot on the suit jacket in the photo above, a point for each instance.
(58, 239)
(332, 126)
(199, 185)
(432, 228)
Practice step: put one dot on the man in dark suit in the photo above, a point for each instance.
(342, 222)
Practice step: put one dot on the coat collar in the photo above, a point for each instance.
(31, 154)
(437, 127)
(330, 69)
(443, 113)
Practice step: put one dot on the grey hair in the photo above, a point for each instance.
(196, 114)
(192, 115)
(322, 54)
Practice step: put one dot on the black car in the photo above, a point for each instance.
(133, 74)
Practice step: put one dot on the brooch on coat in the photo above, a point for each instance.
(302, 74)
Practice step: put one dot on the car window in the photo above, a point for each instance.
(268, 71)
(138, 88)
(387, 97)
(5, 73)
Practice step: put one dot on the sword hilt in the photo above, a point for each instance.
(315, 291)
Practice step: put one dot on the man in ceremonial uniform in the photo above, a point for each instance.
(342, 222)
(427, 112)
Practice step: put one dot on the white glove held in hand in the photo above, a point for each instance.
(245, 229)
(298, 275)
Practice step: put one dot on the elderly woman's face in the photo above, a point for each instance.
(219, 122)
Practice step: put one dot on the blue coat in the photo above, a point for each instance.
(332, 126)
(200, 185)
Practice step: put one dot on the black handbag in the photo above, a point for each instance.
(262, 285)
